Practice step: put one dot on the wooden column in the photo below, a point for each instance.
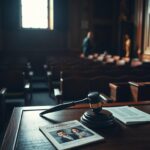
(146, 34)
(147, 28)
(139, 19)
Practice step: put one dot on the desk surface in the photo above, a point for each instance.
(23, 131)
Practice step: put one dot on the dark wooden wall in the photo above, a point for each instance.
(105, 24)
(73, 18)
(146, 31)
(0, 26)
(147, 28)
(139, 21)
(16, 39)
(74, 28)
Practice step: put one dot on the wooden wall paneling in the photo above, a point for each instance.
(105, 24)
(139, 23)
(115, 27)
(147, 28)
(103, 36)
(126, 25)
(74, 29)
(17, 39)
(1, 26)
(86, 19)
(146, 32)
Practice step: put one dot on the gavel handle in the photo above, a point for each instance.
(57, 108)
(63, 106)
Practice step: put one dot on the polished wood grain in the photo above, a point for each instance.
(23, 130)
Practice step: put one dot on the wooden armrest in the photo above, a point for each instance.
(133, 83)
(137, 84)
(105, 98)
(3, 91)
(28, 94)
(49, 73)
(49, 77)
(113, 85)
(45, 66)
(2, 106)
(57, 92)
(23, 73)
(27, 86)
(58, 95)
(31, 73)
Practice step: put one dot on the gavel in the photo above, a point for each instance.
(94, 99)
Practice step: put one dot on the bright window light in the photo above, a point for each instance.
(35, 14)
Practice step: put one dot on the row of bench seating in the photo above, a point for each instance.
(70, 73)
(74, 88)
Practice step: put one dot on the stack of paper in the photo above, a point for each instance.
(129, 115)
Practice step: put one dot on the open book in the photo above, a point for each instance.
(129, 115)
(70, 134)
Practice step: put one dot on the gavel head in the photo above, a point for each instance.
(95, 101)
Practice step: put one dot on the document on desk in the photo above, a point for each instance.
(129, 115)
(70, 134)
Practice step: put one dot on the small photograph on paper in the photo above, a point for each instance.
(70, 134)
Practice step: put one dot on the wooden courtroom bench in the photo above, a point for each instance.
(120, 92)
(140, 90)
(130, 91)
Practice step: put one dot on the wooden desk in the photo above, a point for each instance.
(23, 131)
